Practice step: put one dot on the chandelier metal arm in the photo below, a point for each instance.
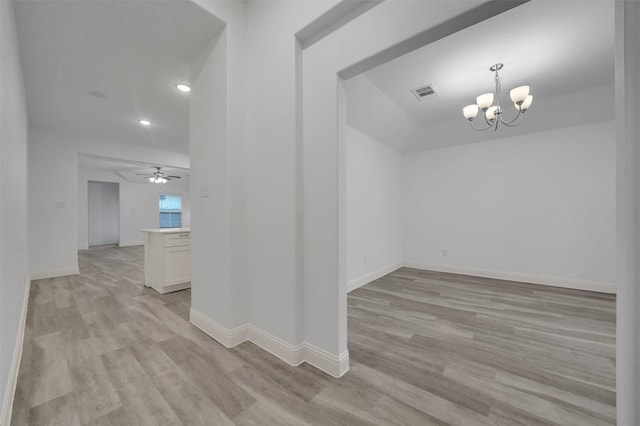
(516, 120)
(490, 126)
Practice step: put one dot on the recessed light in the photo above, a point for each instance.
(144, 122)
(183, 88)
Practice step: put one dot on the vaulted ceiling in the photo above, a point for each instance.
(563, 49)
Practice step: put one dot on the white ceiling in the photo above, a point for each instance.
(133, 52)
(129, 170)
(559, 48)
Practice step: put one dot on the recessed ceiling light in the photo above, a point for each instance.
(183, 88)
(144, 122)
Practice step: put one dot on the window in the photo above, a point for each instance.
(170, 211)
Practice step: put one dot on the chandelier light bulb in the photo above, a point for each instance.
(470, 111)
(484, 101)
(519, 94)
(491, 113)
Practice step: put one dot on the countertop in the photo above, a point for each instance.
(167, 230)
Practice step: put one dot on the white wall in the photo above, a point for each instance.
(539, 205)
(103, 208)
(374, 208)
(53, 193)
(14, 274)
(138, 205)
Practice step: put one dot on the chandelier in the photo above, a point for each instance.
(492, 114)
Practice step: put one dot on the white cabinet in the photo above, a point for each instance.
(167, 259)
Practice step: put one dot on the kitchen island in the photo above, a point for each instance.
(167, 259)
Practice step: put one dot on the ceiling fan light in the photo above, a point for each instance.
(484, 101)
(491, 113)
(470, 111)
(519, 94)
(151, 179)
(183, 88)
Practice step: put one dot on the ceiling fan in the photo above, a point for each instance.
(158, 176)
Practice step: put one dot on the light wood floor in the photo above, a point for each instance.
(426, 349)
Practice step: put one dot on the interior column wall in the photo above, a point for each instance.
(628, 211)
(14, 273)
(272, 176)
(211, 282)
(218, 179)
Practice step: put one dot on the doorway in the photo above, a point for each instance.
(103, 213)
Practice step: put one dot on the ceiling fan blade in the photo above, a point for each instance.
(175, 177)
(143, 174)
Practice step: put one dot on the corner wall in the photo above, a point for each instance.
(374, 209)
(14, 274)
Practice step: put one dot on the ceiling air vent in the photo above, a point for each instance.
(424, 91)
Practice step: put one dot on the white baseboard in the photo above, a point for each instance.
(372, 276)
(295, 355)
(12, 379)
(228, 338)
(55, 273)
(573, 283)
(336, 366)
(292, 355)
(131, 243)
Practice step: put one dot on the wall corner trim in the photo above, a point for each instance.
(52, 273)
(372, 276)
(572, 283)
(295, 355)
(14, 369)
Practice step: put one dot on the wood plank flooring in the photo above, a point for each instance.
(426, 349)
